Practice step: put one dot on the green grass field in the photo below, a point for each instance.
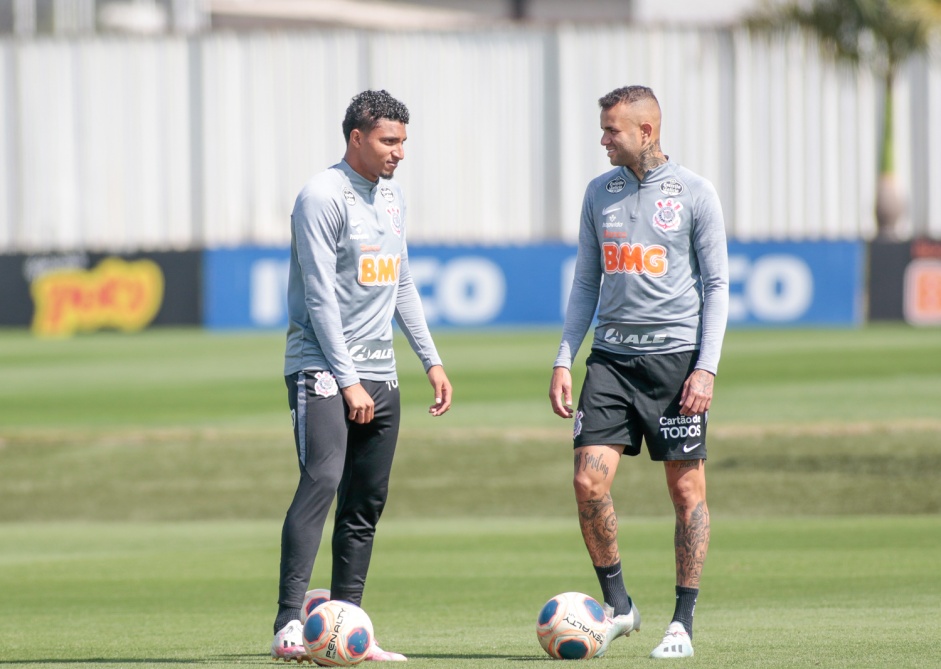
(143, 480)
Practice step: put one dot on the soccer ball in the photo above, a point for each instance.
(337, 634)
(571, 626)
(312, 600)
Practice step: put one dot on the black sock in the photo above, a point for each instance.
(285, 615)
(685, 607)
(612, 588)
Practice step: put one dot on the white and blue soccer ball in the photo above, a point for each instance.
(571, 626)
(312, 600)
(338, 634)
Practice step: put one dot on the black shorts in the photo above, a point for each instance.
(626, 398)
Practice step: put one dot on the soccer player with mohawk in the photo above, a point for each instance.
(652, 258)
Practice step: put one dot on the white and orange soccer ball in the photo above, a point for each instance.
(338, 634)
(312, 600)
(571, 626)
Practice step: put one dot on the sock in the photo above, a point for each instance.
(685, 607)
(612, 588)
(285, 615)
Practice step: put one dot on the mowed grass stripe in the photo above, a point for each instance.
(193, 474)
(186, 425)
(176, 377)
(850, 592)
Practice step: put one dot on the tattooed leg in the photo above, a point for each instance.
(687, 483)
(595, 467)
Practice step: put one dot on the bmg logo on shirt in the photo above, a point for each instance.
(379, 270)
(634, 259)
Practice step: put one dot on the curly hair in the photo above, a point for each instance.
(628, 95)
(368, 108)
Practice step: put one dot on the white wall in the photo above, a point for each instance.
(693, 12)
(120, 143)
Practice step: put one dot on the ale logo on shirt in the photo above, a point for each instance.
(387, 193)
(349, 196)
(634, 259)
(379, 270)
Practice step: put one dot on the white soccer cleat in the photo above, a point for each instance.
(618, 626)
(376, 654)
(676, 643)
(288, 643)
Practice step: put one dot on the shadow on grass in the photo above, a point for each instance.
(263, 658)
(478, 656)
(215, 659)
(105, 660)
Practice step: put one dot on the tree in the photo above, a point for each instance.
(877, 34)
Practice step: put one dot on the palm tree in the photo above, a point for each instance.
(878, 34)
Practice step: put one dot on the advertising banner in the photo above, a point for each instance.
(795, 283)
(810, 283)
(905, 282)
(58, 295)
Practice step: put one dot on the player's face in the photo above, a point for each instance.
(622, 135)
(379, 150)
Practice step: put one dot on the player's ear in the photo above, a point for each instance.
(356, 137)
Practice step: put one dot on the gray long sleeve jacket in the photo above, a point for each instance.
(655, 253)
(349, 277)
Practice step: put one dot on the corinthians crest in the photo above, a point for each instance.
(668, 214)
(326, 385)
(395, 219)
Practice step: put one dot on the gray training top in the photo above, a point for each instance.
(348, 277)
(655, 251)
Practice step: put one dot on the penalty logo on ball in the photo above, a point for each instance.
(571, 626)
(338, 634)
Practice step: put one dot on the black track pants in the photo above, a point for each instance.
(337, 458)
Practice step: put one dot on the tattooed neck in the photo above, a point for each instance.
(651, 158)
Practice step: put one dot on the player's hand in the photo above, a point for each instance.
(697, 393)
(439, 381)
(560, 392)
(360, 403)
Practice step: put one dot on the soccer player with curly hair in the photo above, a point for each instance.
(349, 277)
